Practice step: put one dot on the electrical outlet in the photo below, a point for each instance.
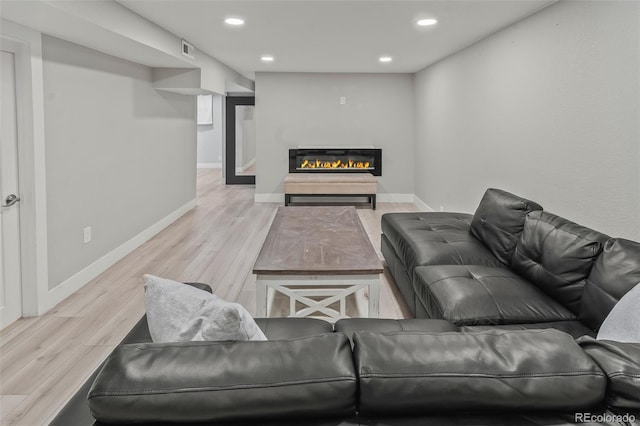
(87, 234)
(343, 100)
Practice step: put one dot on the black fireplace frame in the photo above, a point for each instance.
(376, 153)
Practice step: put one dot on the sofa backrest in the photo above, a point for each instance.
(529, 370)
(499, 220)
(226, 382)
(616, 272)
(557, 255)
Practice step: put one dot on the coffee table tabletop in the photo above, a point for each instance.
(319, 241)
(317, 257)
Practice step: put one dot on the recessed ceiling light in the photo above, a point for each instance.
(385, 59)
(267, 58)
(427, 22)
(234, 21)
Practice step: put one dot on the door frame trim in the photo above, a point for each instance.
(11, 252)
(231, 178)
(26, 44)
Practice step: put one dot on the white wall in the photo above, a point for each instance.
(210, 137)
(548, 109)
(249, 139)
(245, 137)
(120, 156)
(294, 109)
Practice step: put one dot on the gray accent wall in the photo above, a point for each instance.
(303, 109)
(548, 108)
(120, 155)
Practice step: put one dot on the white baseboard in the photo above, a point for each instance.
(421, 204)
(209, 165)
(77, 281)
(269, 198)
(395, 198)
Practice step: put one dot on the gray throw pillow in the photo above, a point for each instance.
(177, 312)
(623, 322)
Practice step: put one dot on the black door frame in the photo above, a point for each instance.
(230, 141)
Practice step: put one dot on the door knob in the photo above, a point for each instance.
(11, 200)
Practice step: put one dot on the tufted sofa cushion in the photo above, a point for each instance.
(557, 255)
(499, 220)
(615, 273)
(481, 295)
(434, 239)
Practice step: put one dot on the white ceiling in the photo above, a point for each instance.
(332, 35)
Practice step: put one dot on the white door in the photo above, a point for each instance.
(10, 284)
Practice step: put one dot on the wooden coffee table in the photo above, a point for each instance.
(317, 256)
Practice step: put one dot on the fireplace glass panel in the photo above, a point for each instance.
(331, 162)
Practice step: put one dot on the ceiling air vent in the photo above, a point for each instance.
(187, 49)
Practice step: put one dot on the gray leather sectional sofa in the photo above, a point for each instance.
(396, 373)
(510, 265)
(510, 300)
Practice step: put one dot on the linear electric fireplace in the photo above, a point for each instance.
(336, 160)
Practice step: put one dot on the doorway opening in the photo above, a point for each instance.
(209, 132)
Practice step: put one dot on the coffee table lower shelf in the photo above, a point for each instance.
(329, 288)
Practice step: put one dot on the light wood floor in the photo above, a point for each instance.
(44, 360)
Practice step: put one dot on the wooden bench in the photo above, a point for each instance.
(330, 185)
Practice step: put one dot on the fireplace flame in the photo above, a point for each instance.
(338, 164)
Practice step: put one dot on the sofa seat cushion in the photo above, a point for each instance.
(557, 255)
(574, 328)
(222, 382)
(483, 295)
(292, 328)
(415, 372)
(499, 220)
(349, 326)
(434, 239)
